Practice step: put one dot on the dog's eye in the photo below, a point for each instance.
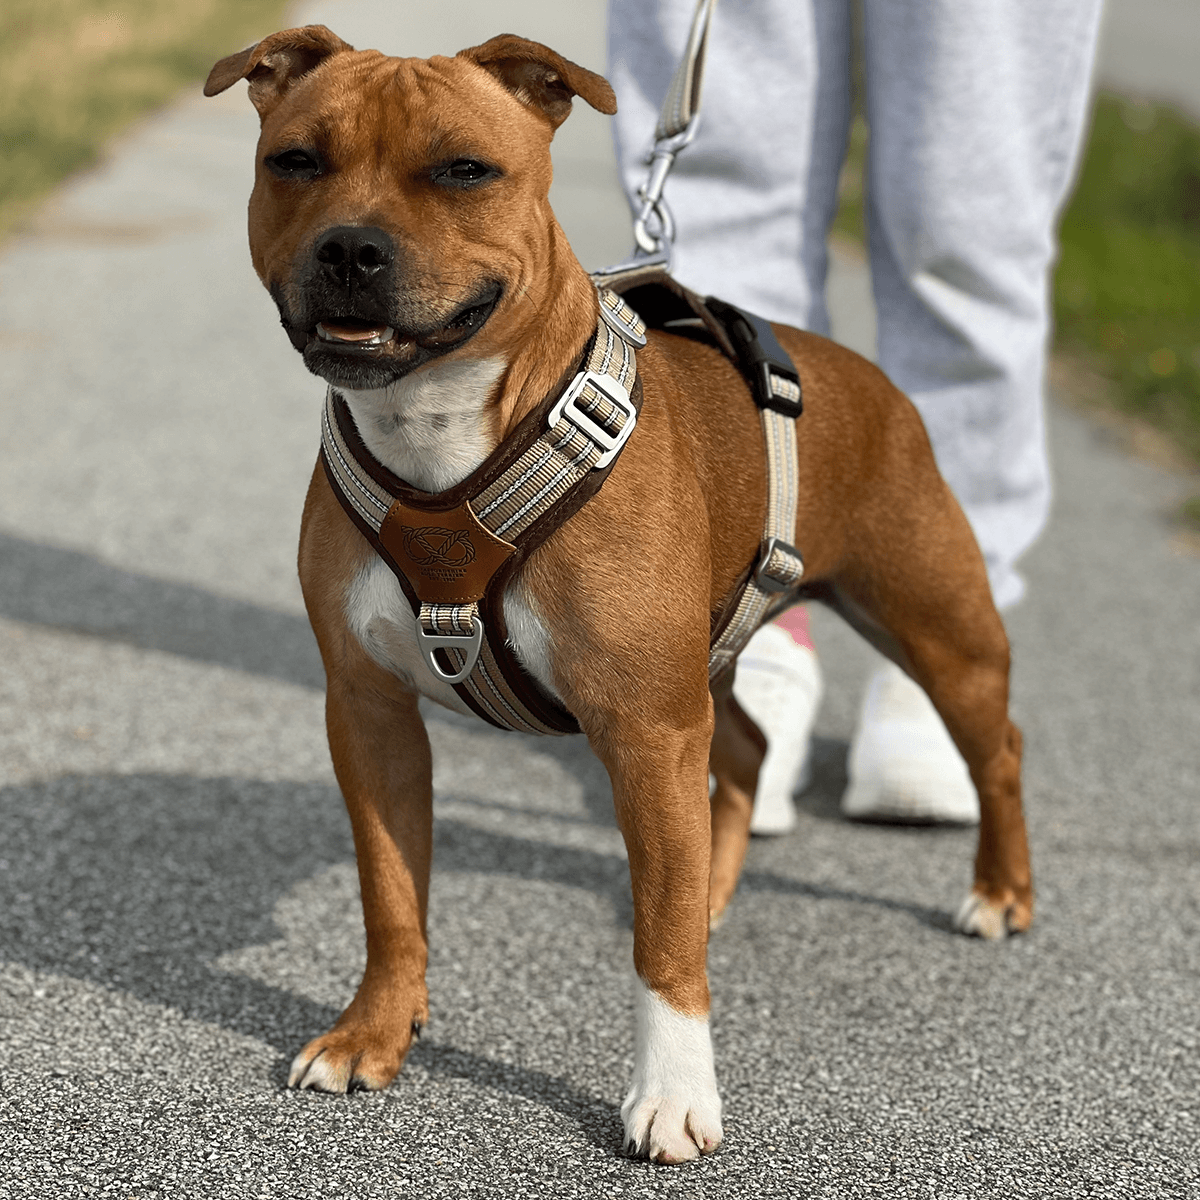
(465, 171)
(294, 164)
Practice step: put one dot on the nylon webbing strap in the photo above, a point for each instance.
(585, 430)
(779, 567)
(554, 465)
(683, 96)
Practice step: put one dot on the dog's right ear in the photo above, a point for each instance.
(274, 63)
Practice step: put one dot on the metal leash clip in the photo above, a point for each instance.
(654, 227)
(654, 239)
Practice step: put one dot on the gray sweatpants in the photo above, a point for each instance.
(976, 109)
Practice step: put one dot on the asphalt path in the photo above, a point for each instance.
(178, 902)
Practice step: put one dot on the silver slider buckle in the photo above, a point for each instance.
(608, 387)
(467, 644)
(780, 567)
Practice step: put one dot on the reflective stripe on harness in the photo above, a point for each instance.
(775, 385)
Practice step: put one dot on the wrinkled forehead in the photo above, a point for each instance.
(365, 104)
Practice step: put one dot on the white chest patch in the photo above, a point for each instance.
(379, 615)
(430, 429)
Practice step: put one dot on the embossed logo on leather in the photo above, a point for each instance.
(440, 553)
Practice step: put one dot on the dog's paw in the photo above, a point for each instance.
(348, 1059)
(673, 1110)
(991, 919)
(671, 1128)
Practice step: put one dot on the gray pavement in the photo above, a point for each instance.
(178, 904)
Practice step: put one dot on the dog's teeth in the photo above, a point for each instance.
(375, 336)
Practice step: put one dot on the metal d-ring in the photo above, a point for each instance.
(467, 644)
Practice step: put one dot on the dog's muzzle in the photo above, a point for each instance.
(347, 317)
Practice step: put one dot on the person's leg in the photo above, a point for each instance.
(976, 114)
(754, 195)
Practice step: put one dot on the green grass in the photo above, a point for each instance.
(75, 72)
(1127, 288)
(850, 220)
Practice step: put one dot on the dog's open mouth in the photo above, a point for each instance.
(358, 351)
(357, 333)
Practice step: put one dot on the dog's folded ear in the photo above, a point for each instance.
(273, 64)
(541, 79)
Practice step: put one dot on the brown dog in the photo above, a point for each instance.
(400, 219)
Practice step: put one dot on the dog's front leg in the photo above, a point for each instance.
(381, 757)
(659, 774)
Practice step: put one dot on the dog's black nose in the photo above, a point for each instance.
(352, 254)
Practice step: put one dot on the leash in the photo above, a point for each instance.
(653, 227)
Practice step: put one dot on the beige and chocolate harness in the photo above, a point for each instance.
(454, 552)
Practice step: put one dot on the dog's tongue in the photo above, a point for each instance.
(353, 333)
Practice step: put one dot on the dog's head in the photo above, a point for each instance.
(400, 210)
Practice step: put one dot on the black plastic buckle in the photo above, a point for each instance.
(759, 355)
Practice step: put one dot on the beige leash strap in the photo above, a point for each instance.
(653, 227)
(682, 105)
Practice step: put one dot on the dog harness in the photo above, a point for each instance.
(454, 552)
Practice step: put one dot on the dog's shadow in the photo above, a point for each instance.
(141, 883)
(598, 1119)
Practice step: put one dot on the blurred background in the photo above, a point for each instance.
(75, 73)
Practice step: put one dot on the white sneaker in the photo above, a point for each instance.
(903, 766)
(779, 685)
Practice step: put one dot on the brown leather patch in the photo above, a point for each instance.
(448, 557)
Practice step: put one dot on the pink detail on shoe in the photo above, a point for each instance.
(794, 622)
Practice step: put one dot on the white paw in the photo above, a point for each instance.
(671, 1129)
(673, 1110)
(984, 918)
(324, 1073)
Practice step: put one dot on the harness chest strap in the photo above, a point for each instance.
(451, 551)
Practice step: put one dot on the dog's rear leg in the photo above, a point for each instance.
(971, 694)
(382, 760)
(951, 640)
(660, 789)
(738, 747)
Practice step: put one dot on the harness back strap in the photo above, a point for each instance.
(776, 387)
(748, 339)
(452, 551)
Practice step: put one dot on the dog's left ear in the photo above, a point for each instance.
(541, 79)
